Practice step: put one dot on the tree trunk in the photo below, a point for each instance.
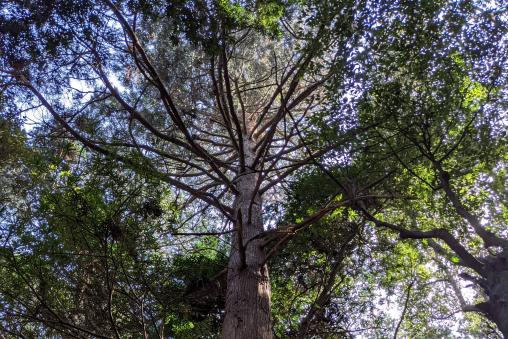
(495, 285)
(248, 313)
(502, 319)
(498, 302)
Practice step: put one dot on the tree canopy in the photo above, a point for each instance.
(253, 169)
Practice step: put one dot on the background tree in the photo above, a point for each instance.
(454, 145)
(434, 96)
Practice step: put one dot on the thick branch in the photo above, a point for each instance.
(489, 238)
(468, 259)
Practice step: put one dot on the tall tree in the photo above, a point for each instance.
(196, 94)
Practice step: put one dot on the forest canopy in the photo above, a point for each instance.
(253, 169)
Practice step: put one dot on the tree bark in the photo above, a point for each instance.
(248, 313)
(497, 291)
(502, 318)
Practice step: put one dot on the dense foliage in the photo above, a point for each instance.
(158, 158)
